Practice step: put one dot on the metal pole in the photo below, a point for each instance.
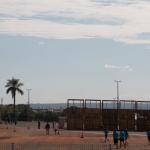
(118, 102)
(28, 101)
(12, 146)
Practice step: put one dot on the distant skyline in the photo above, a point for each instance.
(75, 49)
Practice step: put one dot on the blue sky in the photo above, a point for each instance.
(75, 49)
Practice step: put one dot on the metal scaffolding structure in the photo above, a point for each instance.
(143, 115)
(126, 114)
(75, 114)
(92, 113)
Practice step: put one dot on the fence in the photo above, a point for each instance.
(75, 114)
(67, 146)
(110, 114)
(92, 113)
(127, 115)
(143, 115)
(62, 146)
(88, 114)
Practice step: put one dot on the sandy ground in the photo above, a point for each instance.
(35, 135)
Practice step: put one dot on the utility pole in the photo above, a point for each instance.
(118, 101)
(28, 101)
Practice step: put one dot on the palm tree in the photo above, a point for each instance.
(13, 86)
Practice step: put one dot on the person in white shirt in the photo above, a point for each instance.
(55, 128)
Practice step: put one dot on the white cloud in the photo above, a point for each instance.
(123, 21)
(147, 47)
(41, 43)
(112, 66)
(130, 69)
(123, 68)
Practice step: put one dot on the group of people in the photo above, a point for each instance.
(55, 127)
(47, 127)
(122, 136)
(10, 120)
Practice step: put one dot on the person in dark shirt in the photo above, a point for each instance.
(39, 124)
(47, 128)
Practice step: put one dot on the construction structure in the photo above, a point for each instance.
(88, 114)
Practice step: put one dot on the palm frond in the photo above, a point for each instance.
(20, 91)
(20, 84)
(8, 90)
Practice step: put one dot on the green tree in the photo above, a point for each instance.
(13, 86)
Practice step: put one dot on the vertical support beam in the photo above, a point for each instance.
(12, 146)
(136, 105)
(67, 103)
(148, 113)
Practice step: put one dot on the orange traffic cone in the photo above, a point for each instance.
(7, 127)
(82, 135)
(14, 129)
(28, 127)
(58, 133)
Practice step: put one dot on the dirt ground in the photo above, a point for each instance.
(35, 135)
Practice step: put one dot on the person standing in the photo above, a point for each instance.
(148, 135)
(55, 128)
(106, 134)
(53, 124)
(47, 128)
(126, 137)
(115, 136)
(39, 124)
(122, 137)
(15, 121)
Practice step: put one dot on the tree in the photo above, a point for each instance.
(13, 86)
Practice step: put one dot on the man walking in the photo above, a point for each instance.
(47, 128)
(122, 137)
(126, 137)
(55, 128)
(39, 124)
(106, 134)
(115, 136)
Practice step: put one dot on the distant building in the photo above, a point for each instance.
(41, 109)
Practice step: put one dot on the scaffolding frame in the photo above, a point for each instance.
(92, 116)
(110, 114)
(143, 115)
(127, 114)
(75, 114)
